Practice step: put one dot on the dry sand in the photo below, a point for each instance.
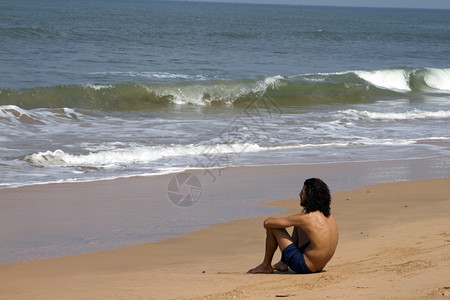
(394, 244)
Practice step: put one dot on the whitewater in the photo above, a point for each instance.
(354, 116)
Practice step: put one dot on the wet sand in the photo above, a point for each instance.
(53, 220)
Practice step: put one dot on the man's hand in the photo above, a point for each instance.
(267, 222)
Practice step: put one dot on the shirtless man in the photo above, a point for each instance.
(314, 237)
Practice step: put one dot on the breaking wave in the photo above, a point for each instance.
(306, 89)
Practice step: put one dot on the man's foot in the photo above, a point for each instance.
(281, 266)
(261, 270)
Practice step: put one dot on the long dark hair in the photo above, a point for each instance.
(317, 196)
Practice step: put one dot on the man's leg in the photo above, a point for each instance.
(281, 265)
(301, 238)
(277, 237)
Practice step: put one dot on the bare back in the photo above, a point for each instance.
(323, 236)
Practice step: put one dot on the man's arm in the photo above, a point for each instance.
(294, 220)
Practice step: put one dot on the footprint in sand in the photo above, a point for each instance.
(444, 291)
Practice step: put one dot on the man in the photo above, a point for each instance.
(314, 237)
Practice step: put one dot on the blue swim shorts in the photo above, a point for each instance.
(292, 255)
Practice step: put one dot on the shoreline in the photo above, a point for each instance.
(55, 220)
(392, 244)
(434, 140)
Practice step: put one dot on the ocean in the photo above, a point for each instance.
(94, 90)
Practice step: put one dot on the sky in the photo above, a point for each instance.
(430, 4)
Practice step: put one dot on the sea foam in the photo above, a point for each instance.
(393, 116)
(133, 155)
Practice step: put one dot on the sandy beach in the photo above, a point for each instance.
(394, 244)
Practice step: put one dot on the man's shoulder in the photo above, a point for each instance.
(312, 214)
(316, 217)
(311, 217)
(304, 218)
